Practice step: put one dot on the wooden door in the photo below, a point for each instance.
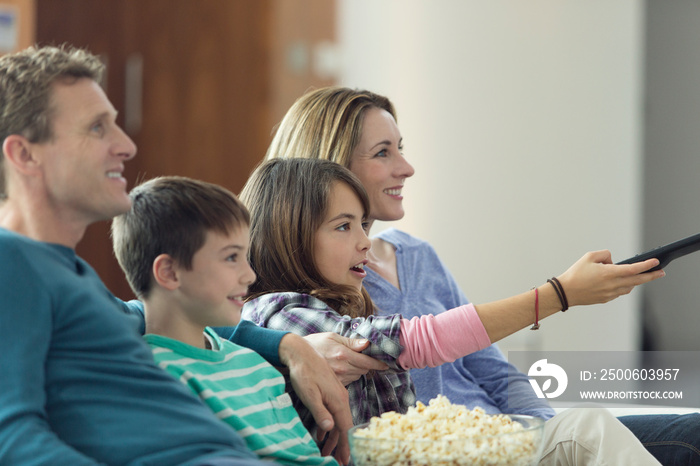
(198, 83)
(97, 26)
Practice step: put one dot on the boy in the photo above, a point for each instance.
(79, 384)
(183, 246)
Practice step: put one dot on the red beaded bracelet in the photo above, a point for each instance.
(536, 325)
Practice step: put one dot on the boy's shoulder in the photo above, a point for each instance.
(223, 356)
(170, 349)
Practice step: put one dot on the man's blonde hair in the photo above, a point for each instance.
(26, 80)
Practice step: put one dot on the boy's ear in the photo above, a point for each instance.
(165, 272)
(18, 153)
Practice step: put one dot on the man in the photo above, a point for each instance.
(79, 385)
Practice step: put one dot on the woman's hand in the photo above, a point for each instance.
(344, 356)
(594, 278)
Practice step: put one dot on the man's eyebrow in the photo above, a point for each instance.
(103, 116)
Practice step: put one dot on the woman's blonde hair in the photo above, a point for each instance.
(288, 200)
(325, 124)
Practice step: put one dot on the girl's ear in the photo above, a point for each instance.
(165, 272)
(18, 153)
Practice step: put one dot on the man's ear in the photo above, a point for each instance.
(165, 272)
(18, 153)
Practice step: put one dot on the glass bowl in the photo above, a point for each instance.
(522, 447)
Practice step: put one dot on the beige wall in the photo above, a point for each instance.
(672, 170)
(523, 122)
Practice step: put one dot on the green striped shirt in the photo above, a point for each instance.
(244, 391)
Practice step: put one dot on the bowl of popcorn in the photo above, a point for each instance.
(443, 433)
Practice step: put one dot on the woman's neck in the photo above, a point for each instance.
(382, 260)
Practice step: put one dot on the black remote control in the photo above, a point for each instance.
(667, 253)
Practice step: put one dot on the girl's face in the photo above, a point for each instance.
(341, 242)
(379, 163)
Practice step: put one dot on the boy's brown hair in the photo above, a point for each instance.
(171, 215)
(288, 200)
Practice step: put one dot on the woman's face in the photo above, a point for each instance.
(379, 163)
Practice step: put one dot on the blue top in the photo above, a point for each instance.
(79, 384)
(427, 287)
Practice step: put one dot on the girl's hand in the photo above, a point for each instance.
(594, 278)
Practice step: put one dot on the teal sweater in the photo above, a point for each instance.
(79, 384)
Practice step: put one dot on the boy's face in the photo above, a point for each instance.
(212, 292)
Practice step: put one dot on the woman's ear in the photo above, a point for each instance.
(165, 272)
(18, 153)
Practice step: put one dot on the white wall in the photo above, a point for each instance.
(672, 141)
(522, 120)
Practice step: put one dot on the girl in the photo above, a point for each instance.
(309, 247)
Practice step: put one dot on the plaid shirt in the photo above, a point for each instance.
(370, 395)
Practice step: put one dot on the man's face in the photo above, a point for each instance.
(82, 164)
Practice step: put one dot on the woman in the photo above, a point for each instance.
(358, 130)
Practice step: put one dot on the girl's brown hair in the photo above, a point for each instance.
(288, 200)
